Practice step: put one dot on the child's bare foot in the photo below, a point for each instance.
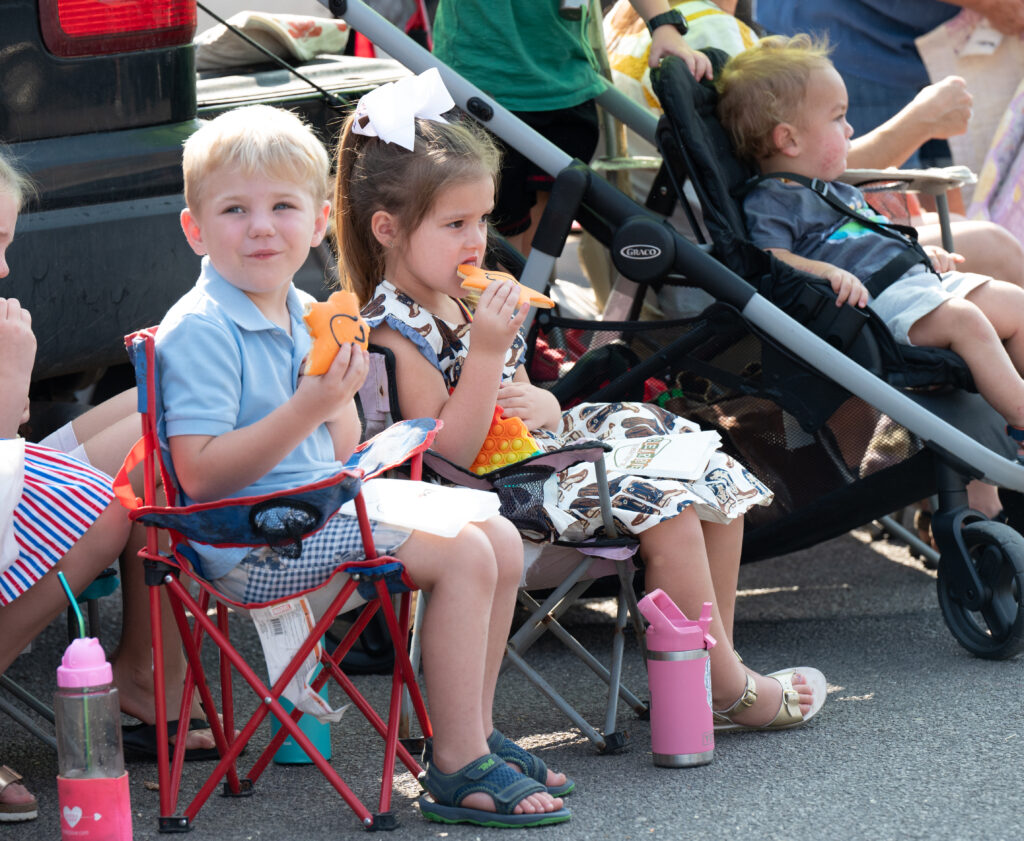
(776, 701)
(532, 805)
(556, 779)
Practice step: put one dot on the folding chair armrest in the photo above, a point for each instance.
(393, 446)
(933, 182)
(560, 459)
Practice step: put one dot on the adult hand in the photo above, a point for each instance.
(942, 109)
(666, 40)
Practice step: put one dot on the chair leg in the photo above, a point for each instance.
(614, 739)
(182, 599)
(21, 717)
(415, 651)
(546, 616)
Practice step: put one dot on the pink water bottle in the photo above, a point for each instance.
(92, 786)
(679, 679)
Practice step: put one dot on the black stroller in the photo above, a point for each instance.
(813, 398)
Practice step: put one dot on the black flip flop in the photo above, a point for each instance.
(141, 739)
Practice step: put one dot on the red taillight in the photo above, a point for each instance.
(93, 27)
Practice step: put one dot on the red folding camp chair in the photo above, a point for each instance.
(238, 522)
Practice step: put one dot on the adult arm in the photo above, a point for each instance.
(666, 40)
(940, 110)
(1005, 15)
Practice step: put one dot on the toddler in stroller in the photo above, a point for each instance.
(800, 213)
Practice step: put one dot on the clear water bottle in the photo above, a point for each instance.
(92, 785)
(679, 679)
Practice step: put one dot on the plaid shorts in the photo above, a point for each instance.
(264, 575)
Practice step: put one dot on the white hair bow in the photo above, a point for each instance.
(390, 111)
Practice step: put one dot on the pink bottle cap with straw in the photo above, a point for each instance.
(84, 664)
(670, 630)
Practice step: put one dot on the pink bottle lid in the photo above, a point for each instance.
(670, 630)
(84, 664)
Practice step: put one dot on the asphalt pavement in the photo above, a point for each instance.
(918, 739)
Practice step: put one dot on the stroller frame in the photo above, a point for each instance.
(646, 248)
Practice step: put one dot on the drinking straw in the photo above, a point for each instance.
(85, 697)
(74, 603)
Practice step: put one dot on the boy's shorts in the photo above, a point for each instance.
(263, 575)
(573, 130)
(912, 297)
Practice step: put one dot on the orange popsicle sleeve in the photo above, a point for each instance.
(332, 323)
(474, 277)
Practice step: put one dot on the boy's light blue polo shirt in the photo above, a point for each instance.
(223, 365)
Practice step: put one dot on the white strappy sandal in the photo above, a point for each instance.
(789, 714)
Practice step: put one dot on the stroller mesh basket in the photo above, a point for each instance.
(809, 445)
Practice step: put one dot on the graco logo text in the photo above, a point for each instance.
(640, 252)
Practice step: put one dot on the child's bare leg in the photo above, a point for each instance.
(462, 577)
(24, 618)
(107, 414)
(990, 249)
(723, 543)
(115, 426)
(1003, 305)
(961, 326)
(108, 445)
(507, 544)
(677, 562)
(984, 498)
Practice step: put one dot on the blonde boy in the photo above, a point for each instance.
(240, 420)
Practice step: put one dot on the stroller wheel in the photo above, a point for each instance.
(993, 628)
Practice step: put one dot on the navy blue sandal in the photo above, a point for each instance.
(532, 766)
(491, 775)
